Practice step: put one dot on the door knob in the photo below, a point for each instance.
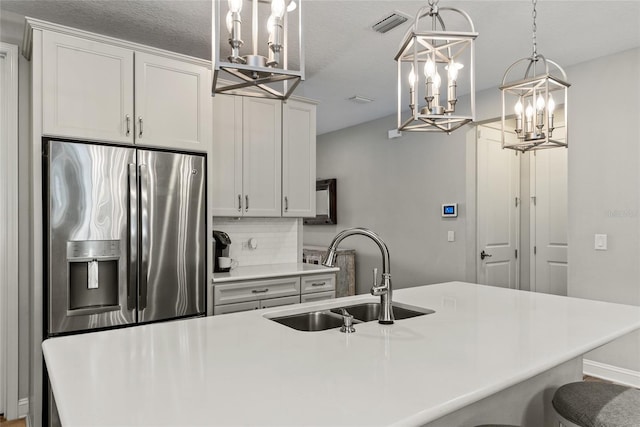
(484, 255)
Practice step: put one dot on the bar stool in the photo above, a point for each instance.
(596, 404)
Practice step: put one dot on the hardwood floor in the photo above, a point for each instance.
(22, 422)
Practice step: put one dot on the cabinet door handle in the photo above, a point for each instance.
(127, 119)
(246, 203)
(140, 126)
(261, 291)
(318, 284)
(239, 203)
(286, 204)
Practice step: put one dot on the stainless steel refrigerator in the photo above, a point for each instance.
(126, 235)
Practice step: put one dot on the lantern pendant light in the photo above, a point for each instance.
(534, 99)
(432, 64)
(273, 63)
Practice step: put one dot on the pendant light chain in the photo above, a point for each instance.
(535, 42)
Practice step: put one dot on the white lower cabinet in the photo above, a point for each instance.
(234, 308)
(255, 294)
(317, 296)
(276, 302)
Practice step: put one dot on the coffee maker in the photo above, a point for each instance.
(221, 243)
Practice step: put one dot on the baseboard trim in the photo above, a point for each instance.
(611, 373)
(23, 407)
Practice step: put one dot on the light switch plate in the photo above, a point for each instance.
(600, 242)
(451, 236)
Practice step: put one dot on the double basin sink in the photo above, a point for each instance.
(321, 320)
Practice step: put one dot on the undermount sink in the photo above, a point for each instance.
(371, 310)
(312, 321)
(321, 320)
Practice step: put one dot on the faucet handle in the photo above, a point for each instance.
(375, 276)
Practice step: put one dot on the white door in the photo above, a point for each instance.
(173, 103)
(225, 163)
(498, 184)
(262, 157)
(549, 208)
(87, 89)
(298, 159)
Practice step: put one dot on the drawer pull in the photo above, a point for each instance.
(318, 284)
(262, 291)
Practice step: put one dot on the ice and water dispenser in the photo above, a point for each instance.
(93, 268)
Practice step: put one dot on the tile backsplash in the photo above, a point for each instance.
(276, 238)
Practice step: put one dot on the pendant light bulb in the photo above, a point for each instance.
(453, 70)
(277, 8)
(235, 6)
(429, 68)
(540, 103)
(529, 111)
(518, 108)
(437, 81)
(412, 78)
(551, 106)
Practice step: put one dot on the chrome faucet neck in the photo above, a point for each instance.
(384, 290)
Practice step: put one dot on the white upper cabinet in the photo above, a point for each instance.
(88, 93)
(298, 159)
(226, 156)
(261, 156)
(172, 102)
(246, 156)
(87, 89)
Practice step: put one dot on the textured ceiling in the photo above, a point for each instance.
(344, 57)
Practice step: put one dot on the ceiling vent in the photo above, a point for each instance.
(360, 99)
(390, 21)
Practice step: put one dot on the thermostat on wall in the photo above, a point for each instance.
(450, 210)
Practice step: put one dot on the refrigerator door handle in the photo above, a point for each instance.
(133, 237)
(144, 236)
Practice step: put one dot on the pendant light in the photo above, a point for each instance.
(272, 64)
(432, 64)
(538, 100)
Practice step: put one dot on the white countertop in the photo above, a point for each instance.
(266, 271)
(243, 369)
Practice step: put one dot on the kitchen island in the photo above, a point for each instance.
(487, 354)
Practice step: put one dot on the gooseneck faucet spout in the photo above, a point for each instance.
(383, 289)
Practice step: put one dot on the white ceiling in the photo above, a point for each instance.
(345, 57)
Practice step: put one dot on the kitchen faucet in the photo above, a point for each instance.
(384, 289)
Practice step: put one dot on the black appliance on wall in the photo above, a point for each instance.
(221, 243)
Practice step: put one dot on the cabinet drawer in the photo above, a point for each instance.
(255, 290)
(276, 302)
(317, 296)
(234, 308)
(318, 283)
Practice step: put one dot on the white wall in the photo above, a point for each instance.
(604, 189)
(396, 187)
(11, 30)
